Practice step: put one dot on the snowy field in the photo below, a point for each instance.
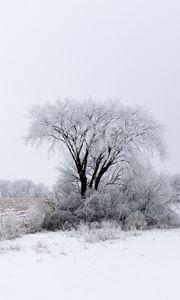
(45, 266)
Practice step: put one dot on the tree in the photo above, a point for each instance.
(101, 138)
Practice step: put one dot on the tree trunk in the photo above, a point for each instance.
(83, 180)
(97, 182)
(100, 175)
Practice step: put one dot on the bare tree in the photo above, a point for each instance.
(100, 137)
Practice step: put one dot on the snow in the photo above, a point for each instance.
(59, 265)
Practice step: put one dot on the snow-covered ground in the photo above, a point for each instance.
(55, 266)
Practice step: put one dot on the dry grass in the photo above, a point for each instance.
(19, 206)
(95, 232)
(20, 209)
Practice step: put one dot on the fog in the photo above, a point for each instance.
(103, 49)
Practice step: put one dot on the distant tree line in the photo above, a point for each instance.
(22, 189)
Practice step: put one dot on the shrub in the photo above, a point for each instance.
(62, 213)
(95, 208)
(10, 226)
(60, 220)
(36, 218)
(136, 220)
(100, 206)
(71, 202)
(161, 216)
(139, 203)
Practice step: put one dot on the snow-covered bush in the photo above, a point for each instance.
(62, 212)
(36, 218)
(136, 207)
(161, 216)
(136, 220)
(72, 209)
(104, 206)
(95, 208)
(175, 184)
(71, 202)
(141, 201)
(60, 220)
(144, 188)
(39, 214)
(10, 226)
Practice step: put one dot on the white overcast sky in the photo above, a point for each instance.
(49, 49)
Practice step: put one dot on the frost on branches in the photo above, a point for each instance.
(103, 140)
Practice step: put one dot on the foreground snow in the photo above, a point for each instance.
(62, 266)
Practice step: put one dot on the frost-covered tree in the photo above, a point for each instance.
(101, 138)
